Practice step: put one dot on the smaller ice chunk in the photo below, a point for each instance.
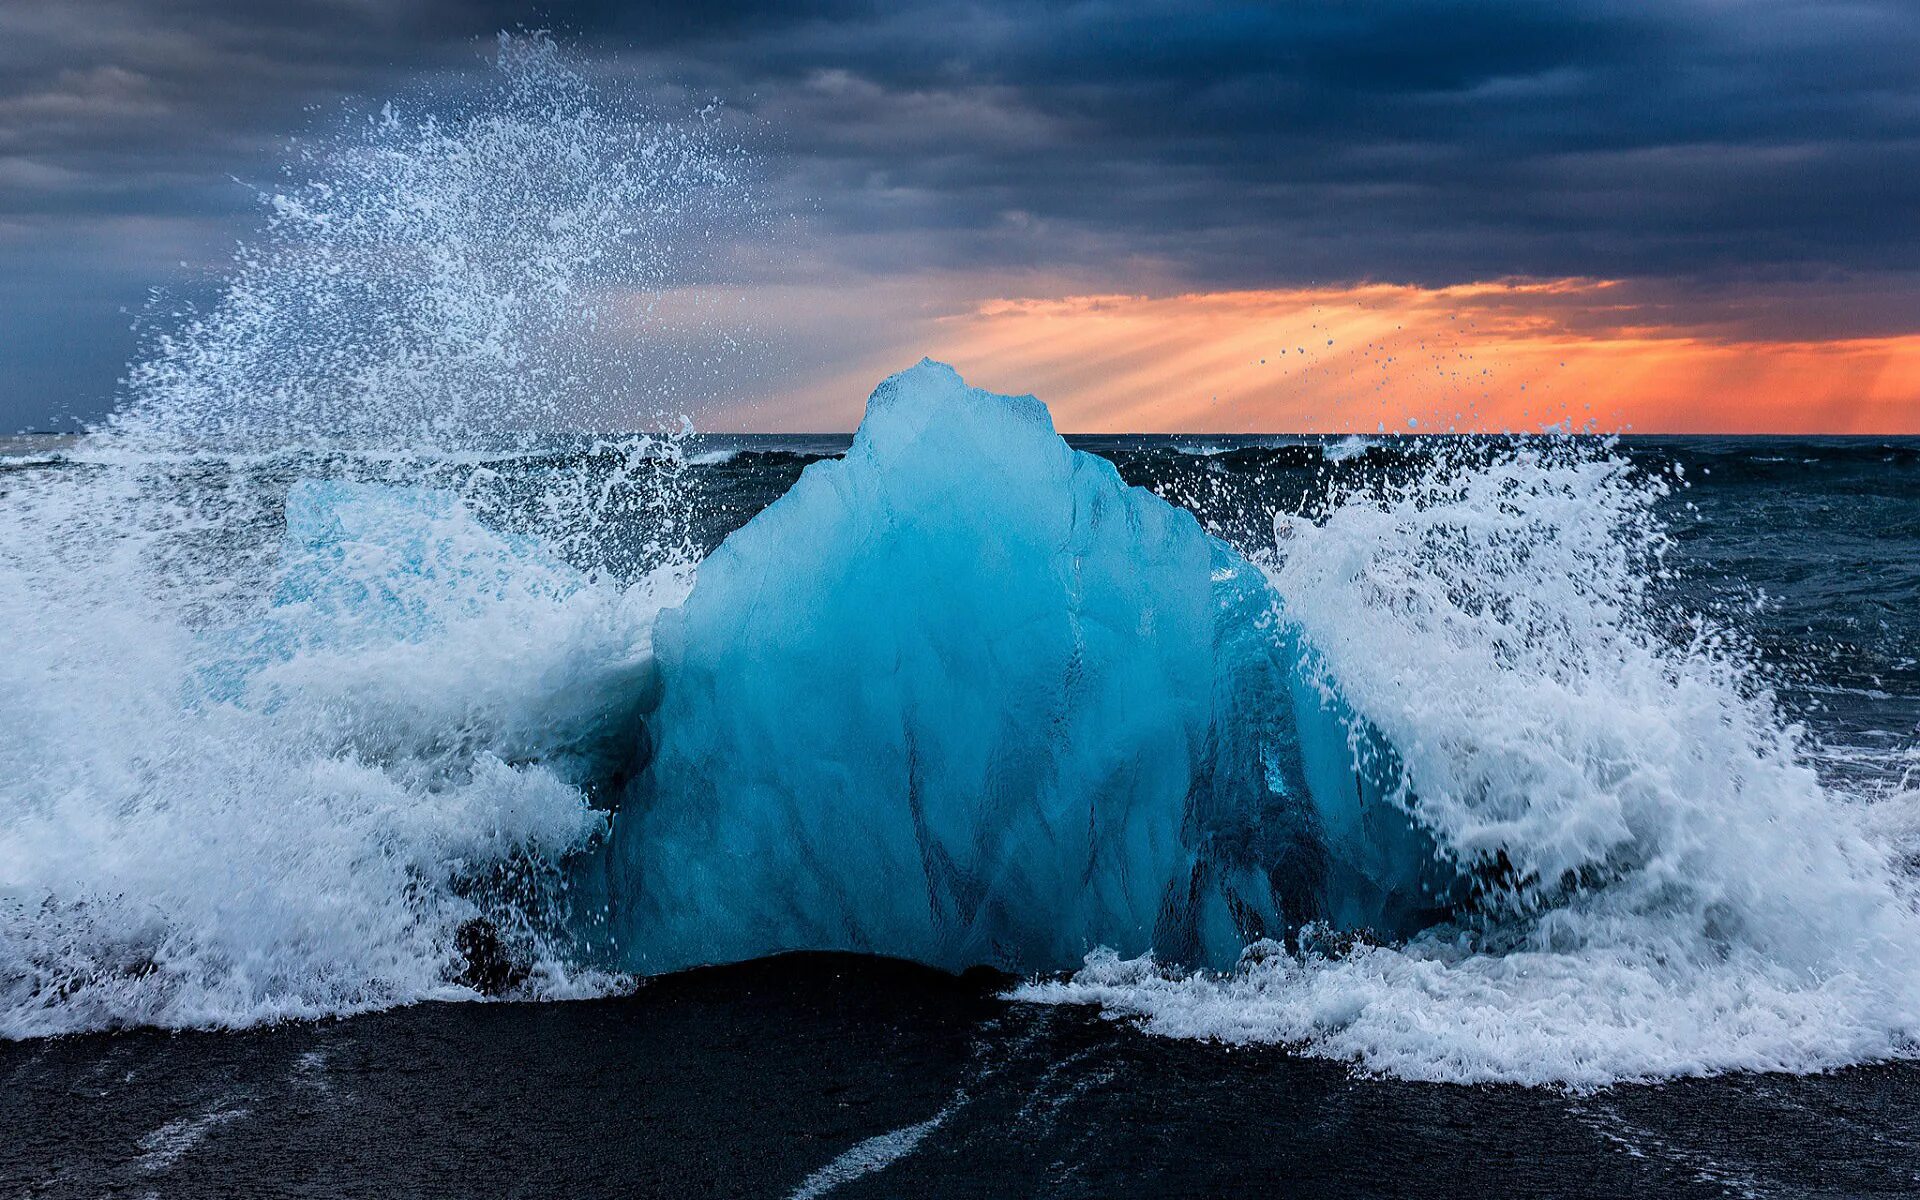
(401, 618)
(373, 563)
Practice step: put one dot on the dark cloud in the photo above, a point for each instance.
(1417, 141)
(1711, 148)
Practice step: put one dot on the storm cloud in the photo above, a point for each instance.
(1763, 156)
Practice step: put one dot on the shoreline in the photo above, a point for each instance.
(816, 1074)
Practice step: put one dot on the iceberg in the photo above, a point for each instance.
(966, 697)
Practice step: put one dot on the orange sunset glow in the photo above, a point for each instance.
(1479, 357)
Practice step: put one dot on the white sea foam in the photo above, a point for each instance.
(1342, 449)
(876, 1153)
(1668, 889)
(196, 833)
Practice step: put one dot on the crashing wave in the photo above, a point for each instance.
(271, 744)
(1675, 892)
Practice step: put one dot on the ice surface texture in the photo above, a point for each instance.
(966, 697)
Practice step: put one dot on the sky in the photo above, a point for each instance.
(1672, 216)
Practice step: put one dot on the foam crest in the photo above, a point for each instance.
(1663, 887)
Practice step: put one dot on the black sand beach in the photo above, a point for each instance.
(812, 1074)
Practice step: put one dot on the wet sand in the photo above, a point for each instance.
(827, 1074)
